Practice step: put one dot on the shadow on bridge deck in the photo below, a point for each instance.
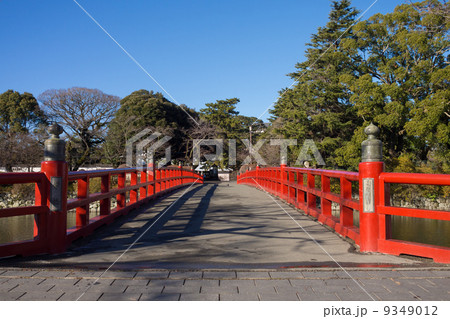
(214, 225)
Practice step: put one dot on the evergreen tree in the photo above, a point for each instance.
(318, 106)
(146, 109)
(403, 86)
(20, 115)
(223, 114)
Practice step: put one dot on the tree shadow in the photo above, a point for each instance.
(166, 221)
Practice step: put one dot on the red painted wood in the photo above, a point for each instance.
(374, 231)
(50, 233)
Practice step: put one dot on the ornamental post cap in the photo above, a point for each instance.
(372, 131)
(372, 148)
(54, 147)
(55, 130)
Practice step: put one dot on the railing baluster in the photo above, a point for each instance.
(143, 179)
(105, 204)
(325, 203)
(346, 213)
(82, 212)
(133, 192)
(310, 198)
(121, 197)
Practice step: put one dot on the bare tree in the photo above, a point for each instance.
(202, 131)
(84, 113)
(20, 149)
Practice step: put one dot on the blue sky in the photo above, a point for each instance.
(198, 50)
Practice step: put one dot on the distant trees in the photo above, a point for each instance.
(84, 114)
(147, 109)
(222, 114)
(20, 115)
(392, 69)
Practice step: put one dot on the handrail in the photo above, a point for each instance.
(145, 184)
(288, 184)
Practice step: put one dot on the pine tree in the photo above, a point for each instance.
(318, 106)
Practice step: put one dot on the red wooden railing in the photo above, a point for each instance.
(299, 187)
(50, 231)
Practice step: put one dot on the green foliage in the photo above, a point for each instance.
(402, 84)
(318, 106)
(146, 109)
(20, 118)
(19, 112)
(152, 109)
(223, 114)
(391, 69)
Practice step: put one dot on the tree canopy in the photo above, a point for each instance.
(392, 69)
(318, 106)
(19, 112)
(147, 109)
(84, 113)
(20, 116)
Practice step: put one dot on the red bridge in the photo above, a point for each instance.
(309, 190)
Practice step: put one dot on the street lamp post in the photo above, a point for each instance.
(251, 144)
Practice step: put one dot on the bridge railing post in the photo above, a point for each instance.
(105, 204)
(370, 168)
(55, 169)
(258, 182)
(82, 212)
(310, 197)
(134, 194)
(121, 197)
(282, 179)
(325, 204)
(157, 178)
(151, 190)
(180, 175)
(143, 190)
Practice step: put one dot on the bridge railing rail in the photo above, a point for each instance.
(135, 186)
(39, 210)
(314, 196)
(364, 194)
(386, 244)
(311, 191)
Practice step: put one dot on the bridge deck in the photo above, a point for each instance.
(234, 233)
(221, 224)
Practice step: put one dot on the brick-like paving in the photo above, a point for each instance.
(230, 285)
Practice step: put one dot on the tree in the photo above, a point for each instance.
(223, 114)
(19, 116)
(146, 109)
(19, 112)
(84, 113)
(404, 84)
(318, 106)
(202, 131)
(20, 149)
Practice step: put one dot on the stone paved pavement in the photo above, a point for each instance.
(232, 285)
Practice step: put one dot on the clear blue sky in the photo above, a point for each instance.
(198, 50)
